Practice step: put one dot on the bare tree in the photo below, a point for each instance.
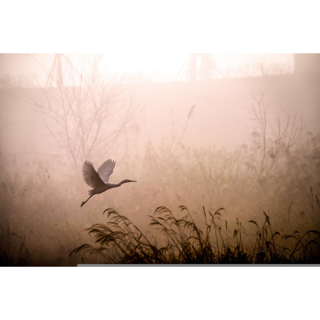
(85, 115)
(271, 143)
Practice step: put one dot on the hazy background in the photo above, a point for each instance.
(188, 127)
(163, 93)
(154, 67)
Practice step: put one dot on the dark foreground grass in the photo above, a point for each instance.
(13, 249)
(185, 241)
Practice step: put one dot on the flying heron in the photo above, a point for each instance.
(98, 180)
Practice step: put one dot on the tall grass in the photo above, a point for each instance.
(13, 250)
(40, 200)
(183, 241)
(274, 172)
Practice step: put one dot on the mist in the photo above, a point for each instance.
(217, 143)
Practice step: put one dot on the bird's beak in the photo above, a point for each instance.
(133, 181)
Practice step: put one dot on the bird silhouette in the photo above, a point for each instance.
(98, 180)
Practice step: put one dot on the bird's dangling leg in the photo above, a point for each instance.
(84, 202)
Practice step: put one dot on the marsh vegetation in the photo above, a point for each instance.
(256, 204)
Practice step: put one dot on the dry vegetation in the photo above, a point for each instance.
(258, 204)
(269, 190)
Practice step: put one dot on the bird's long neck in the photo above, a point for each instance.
(111, 185)
(120, 183)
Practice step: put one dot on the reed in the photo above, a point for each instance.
(184, 241)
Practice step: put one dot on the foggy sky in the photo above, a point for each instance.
(220, 105)
(156, 66)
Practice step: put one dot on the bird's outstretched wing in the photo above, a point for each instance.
(90, 175)
(106, 170)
